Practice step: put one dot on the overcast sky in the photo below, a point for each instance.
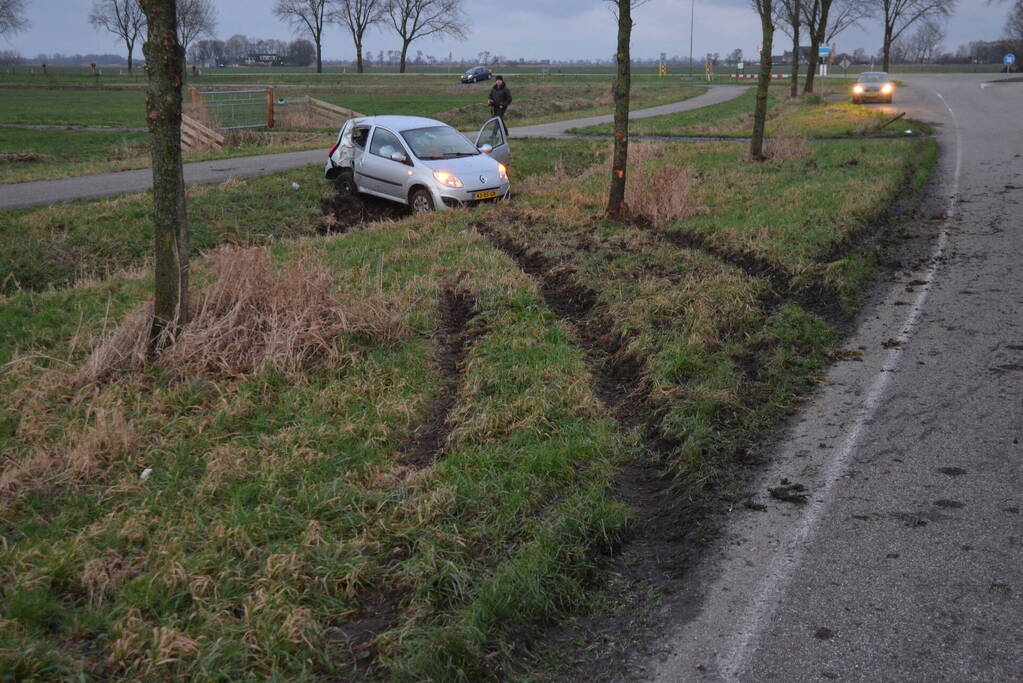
(553, 29)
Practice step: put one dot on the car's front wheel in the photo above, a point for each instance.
(421, 200)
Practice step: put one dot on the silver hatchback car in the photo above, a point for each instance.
(421, 162)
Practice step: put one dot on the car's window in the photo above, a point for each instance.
(385, 143)
(359, 136)
(873, 77)
(438, 142)
(491, 134)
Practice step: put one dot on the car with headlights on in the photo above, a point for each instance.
(420, 162)
(476, 74)
(873, 86)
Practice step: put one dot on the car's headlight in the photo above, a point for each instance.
(502, 171)
(449, 179)
(857, 89)
(887, 88)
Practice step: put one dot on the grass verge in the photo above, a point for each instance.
(806, 116)
(490, 397)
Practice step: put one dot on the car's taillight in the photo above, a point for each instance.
(331, 152)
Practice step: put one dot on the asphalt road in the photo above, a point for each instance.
(907, 562)
(24, 195)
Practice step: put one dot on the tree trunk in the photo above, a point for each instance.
(887, 47)
(164, 64)
(358, 53)
(404, 54)
(622, 87)
(131, 48)
(811, 67)
(794, 87)
(756, 149)
(319, 57)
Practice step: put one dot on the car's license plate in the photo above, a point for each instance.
(489, 194)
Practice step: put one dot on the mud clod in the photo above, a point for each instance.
(789, 492)
(952, 471)
(343, 213)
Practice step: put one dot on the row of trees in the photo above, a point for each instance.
(238, 49)
(410, 20)
(127, 20)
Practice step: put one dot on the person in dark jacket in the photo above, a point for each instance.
(500, 98)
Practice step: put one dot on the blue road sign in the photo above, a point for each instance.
(823, 51)
(1009, 59)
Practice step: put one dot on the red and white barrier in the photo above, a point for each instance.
(758, 75)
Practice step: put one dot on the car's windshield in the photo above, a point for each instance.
(438, 142)
(873, 77)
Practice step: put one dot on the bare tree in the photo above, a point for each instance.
(926, 42)
(789, 17)
(765, 8)
(357, 16)
(12, 16)
(899, 15)
(165, 67)
(306, 17)
(825, 19)
(413, 19)
(124, 18)
(1014, 27)
(195, 18)
(621, 90)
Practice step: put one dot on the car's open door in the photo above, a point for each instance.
(493, 133)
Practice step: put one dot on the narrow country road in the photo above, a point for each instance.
(906, 564)
(24, 195)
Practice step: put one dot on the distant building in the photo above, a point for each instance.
(264, 59)
(786, 57)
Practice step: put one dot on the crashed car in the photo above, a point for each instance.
(874, 86)
(420, 162)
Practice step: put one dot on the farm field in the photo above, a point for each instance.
(40, 154)
(490, 401)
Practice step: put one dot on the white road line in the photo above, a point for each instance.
(789, 556)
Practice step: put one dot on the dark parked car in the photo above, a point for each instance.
(873, 86)
(477, 73)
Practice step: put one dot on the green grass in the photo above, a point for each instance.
(281, 520)
(807, 116)
(73, 107)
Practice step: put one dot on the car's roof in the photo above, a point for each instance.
(399, 123)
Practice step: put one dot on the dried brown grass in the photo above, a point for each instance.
(784, 146)
(255, 317)
(661, 194)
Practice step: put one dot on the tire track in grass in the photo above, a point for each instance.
(819, 299)
(457, 307)
(381, 609)
(659, 519)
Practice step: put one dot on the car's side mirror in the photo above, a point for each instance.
(399, 157)
(486, 148)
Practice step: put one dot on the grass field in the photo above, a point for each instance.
(83, 76)
(41, 154)
(434, 465)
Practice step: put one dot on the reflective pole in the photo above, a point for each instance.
(692, 15)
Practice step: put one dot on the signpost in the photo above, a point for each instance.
(845, 65)
(823, 52)
(1009, 59)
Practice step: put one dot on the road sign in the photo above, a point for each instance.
(1009, 59)
(823, 51)
(739, 66)
(846, 63)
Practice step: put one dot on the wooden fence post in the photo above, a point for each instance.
(269, 107)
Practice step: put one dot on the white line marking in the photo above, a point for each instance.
(789, 556)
